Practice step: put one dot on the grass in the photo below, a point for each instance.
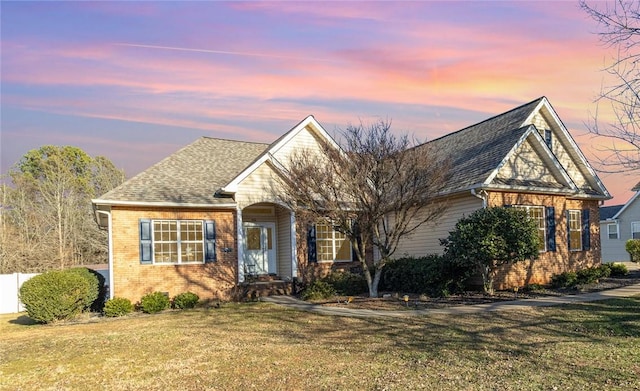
(592, 346)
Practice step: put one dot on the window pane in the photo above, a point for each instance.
(344, 250)
(575, 230)
(613, 231)
(253, 238)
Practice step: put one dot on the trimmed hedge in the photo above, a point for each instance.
(433, 274)
(96, 287)
(185, 300)
(57, 295)
(118, 306)
(154, 302)
(346, 283)
(318, 290)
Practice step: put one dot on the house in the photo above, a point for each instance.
(523, 158)
(205, 219)
(619, 223)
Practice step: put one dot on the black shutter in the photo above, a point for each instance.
(586, 231)
(311, 244)
(551, 228)
(209, 241)
(146, 242)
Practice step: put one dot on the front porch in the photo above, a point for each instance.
(266, 248)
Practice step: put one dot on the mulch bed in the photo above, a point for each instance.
(395, 300)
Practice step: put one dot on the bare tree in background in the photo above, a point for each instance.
(375, 188)
(619, 24)
(46, 215)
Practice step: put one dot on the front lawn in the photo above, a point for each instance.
(592, 346)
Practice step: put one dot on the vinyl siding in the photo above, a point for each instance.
(283, 239)
(614, 250)
(426, 239)
(304, 140)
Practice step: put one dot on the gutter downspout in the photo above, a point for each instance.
(109, 230)
(482, 195)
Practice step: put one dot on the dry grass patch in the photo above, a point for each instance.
(245, 346)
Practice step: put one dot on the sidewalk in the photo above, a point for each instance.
(292, 302)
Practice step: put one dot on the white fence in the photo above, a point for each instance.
(10, 287)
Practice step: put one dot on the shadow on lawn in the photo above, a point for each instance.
(23, 320)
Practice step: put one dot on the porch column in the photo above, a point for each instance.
(294, 252)
(240, 249)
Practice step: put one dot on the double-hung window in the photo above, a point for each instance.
(176, 241)
(635, 230)
(575, 230)
(331, 245)
(536, 213)
(612, 230)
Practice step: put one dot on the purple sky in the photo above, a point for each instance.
(135, 81)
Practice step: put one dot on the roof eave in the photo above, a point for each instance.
(101, 202)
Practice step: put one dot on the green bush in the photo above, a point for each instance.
(533, 288)
(118, 306)
(154, 302)
(91, 300)
(591, 275)
(434, 275)
(56, 295)
(564, 280)
(318, 290)
(633, 248)
(346, 283)
(185, 300)
(618, 269)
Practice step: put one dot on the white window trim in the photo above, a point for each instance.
(544, 222)
(571, 244)
(637, 223)
(179, 242)
(617, 226)
(333, 246)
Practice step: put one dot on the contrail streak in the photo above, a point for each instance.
(135, 45)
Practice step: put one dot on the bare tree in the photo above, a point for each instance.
(46, 215)
(619, 24)
(375, 188)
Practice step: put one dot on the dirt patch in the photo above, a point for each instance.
(396, 300)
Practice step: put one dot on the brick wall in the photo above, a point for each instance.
(209, 281)
(548, 263)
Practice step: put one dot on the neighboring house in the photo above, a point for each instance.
(206, 217)
(619, 223)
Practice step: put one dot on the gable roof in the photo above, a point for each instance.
(609, 212)
(268, 154)
(189, 176)
(476, 153)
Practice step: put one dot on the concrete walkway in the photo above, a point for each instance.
(292, 302)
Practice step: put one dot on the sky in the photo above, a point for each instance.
(136, 81)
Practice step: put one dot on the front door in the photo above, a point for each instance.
(259, 248)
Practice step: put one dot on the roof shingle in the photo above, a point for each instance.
(191, 175)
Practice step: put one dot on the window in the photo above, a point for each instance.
(575, 230)
(176, 241)
(331, 245)
(548, 137)
(537, 214)
(612, 230)
(635, 230)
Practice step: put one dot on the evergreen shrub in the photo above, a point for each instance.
(56, 295)
(118, 306)
(154, 302)
(185, 300)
